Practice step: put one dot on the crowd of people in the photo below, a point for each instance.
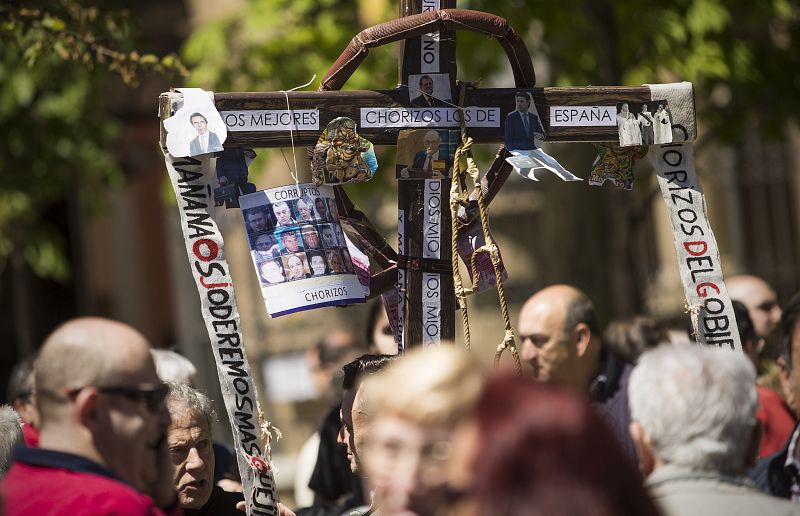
(631, 421)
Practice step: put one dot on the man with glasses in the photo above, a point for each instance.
(103, 422)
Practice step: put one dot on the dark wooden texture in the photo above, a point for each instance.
(348, 103)
(411, 193)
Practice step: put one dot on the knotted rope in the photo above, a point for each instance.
(459, 196)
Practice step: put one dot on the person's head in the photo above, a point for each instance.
(317, 264)
(335, 262)
(624, 108)
(426, 84)
(199, 123)
(271, 271)
(560, 337)
(310, 237)
(789, 360)
(291, 240)
(628, 338)
(694, 407)
(257, 220)
(522, 101)
(322, 208)
(380, 337)
(761, 302)
(190, 444)
(294, 267)
(99, 396)
(264, 244)
(305, 207)
(173, 367)
(328, 356)
(355, 419)
(283, 213)
(660, 108)
(20, 391)
(645, 109)
(414, 406)
(10, 436)
(535, 449)
(328, 238)
(747, 334)
(431, 141)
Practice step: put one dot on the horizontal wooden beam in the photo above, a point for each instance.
(349, 104)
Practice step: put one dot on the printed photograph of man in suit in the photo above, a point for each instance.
(434, 159)
(426, 98)
(523, 128)
(206, 141)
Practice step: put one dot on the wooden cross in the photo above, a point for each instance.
(429, 50)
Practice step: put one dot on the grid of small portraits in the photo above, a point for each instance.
(297, 239)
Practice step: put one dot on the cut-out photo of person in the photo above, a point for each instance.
(523, 128)
(646, 123)
(333, 213)
(310, 236)
(329, 240)
(339, 235)
(662, 122)
(305, 209)
(424, 86)
(265, 246)
(296, 266)
(271, 271)
(322, 209)
(431, 162)
(335, 263)
(258, 221)
(283, 213)
(630, 132)
(206, 141)
(317, 263)
(346, 261)
(290, 240)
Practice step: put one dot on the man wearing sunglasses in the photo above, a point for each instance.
(103, 422)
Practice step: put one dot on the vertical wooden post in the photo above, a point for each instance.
(427, 298)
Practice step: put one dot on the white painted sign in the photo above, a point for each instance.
(272, 120)
(431, 310)
(583, 116)
(432, 220)
(474, 116)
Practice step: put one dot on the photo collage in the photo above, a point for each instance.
(296, 239)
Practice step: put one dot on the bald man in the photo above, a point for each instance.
(561, 344)
(103, 422)
(762, 307)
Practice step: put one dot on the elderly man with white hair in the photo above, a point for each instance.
(694, 426)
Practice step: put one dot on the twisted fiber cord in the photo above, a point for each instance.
(457, 196)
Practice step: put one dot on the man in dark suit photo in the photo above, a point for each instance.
(426, 98)
(522, 127)
(434, 160)
(206, 141)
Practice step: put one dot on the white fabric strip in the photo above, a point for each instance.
(191, 180)
(698, 256)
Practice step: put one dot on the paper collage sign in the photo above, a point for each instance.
(299, 250)
(196, 127)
